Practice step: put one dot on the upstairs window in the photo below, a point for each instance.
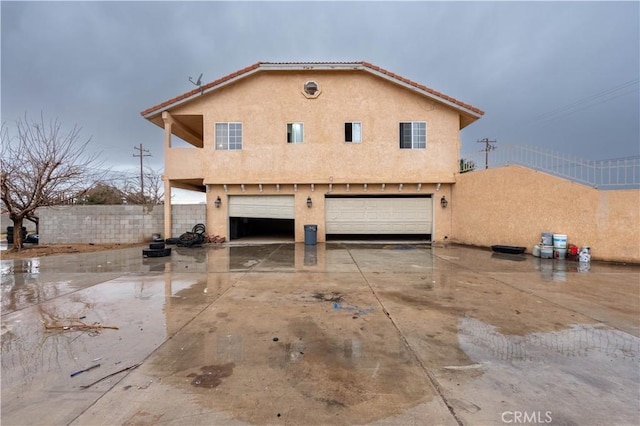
(228, 136)
(295, 132)
(353, 132)
(413, 135)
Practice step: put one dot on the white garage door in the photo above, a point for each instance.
(262, 206)
(379, 215)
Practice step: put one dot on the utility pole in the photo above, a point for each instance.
(487, 147)
(141, 153)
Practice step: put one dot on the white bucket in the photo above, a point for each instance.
(559, 253)
(546, 252)
(585, 255)
(546, 239)
(536, 250)
(560, 241)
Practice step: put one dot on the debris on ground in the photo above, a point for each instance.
(111, 375)
(75, 373)
(77, 325)
(216, 239)
(195, 238)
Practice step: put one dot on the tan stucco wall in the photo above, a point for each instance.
(264, 103)
(513, 205)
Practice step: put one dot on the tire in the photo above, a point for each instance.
(172, 240)
(190, 239)
(198, 229)
(154, 252)
(156, 245)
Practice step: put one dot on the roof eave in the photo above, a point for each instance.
(410, 85)
(198, 92)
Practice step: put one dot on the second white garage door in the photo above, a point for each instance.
(396, 215)
(262, 206)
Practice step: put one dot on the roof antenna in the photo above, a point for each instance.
(197, 83)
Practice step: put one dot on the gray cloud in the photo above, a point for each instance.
(98, 64)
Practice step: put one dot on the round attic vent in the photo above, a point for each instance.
(311, 89)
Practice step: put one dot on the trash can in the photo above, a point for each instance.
(311, 234)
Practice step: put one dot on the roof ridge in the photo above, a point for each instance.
(368, 65)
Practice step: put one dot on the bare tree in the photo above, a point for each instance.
(42, 166)
(153, 188)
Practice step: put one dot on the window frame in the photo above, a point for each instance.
(291, 132)
(227, 144)
(352, 123)
(415, 134)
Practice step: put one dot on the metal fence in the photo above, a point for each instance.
(616, 173)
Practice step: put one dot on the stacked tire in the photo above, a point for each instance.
(195, 238)
(156, 249)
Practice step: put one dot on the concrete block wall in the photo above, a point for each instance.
(100, 224)
(185, 216)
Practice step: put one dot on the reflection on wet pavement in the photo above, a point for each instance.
(325, 334)
(585, 374)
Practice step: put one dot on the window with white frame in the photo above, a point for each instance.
(413, 135)
(228, 136)
(353, 132)
(295, 132)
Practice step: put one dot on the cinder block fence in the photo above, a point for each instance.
(114, 224)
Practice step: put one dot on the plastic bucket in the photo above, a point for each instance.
(546, 239)
(559, 253)
(546, 252)
(536, 250)
(585, 254)
(560, 241)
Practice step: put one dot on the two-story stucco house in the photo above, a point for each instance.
(349, 147)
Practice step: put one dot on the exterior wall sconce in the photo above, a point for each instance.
(443, 202)
(218, 202)
(309, 202)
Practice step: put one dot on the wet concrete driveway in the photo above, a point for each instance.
(327, 334)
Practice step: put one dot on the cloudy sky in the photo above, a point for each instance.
(558, 75)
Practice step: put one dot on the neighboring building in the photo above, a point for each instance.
(350, 147)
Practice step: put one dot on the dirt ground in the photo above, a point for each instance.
(55, 249)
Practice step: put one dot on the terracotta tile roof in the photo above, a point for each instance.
(365, 65)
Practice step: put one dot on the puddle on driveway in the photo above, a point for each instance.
(584, 374)
(211, 375)
(305, 360)
(577, 341)
(299, 338)
(37, 363)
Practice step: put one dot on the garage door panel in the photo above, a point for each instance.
(262, 206)
(379, 215)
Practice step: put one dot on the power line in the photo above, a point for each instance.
(586, 102)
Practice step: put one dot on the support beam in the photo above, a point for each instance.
(189, 132)
(168, 122)
(167, 209)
